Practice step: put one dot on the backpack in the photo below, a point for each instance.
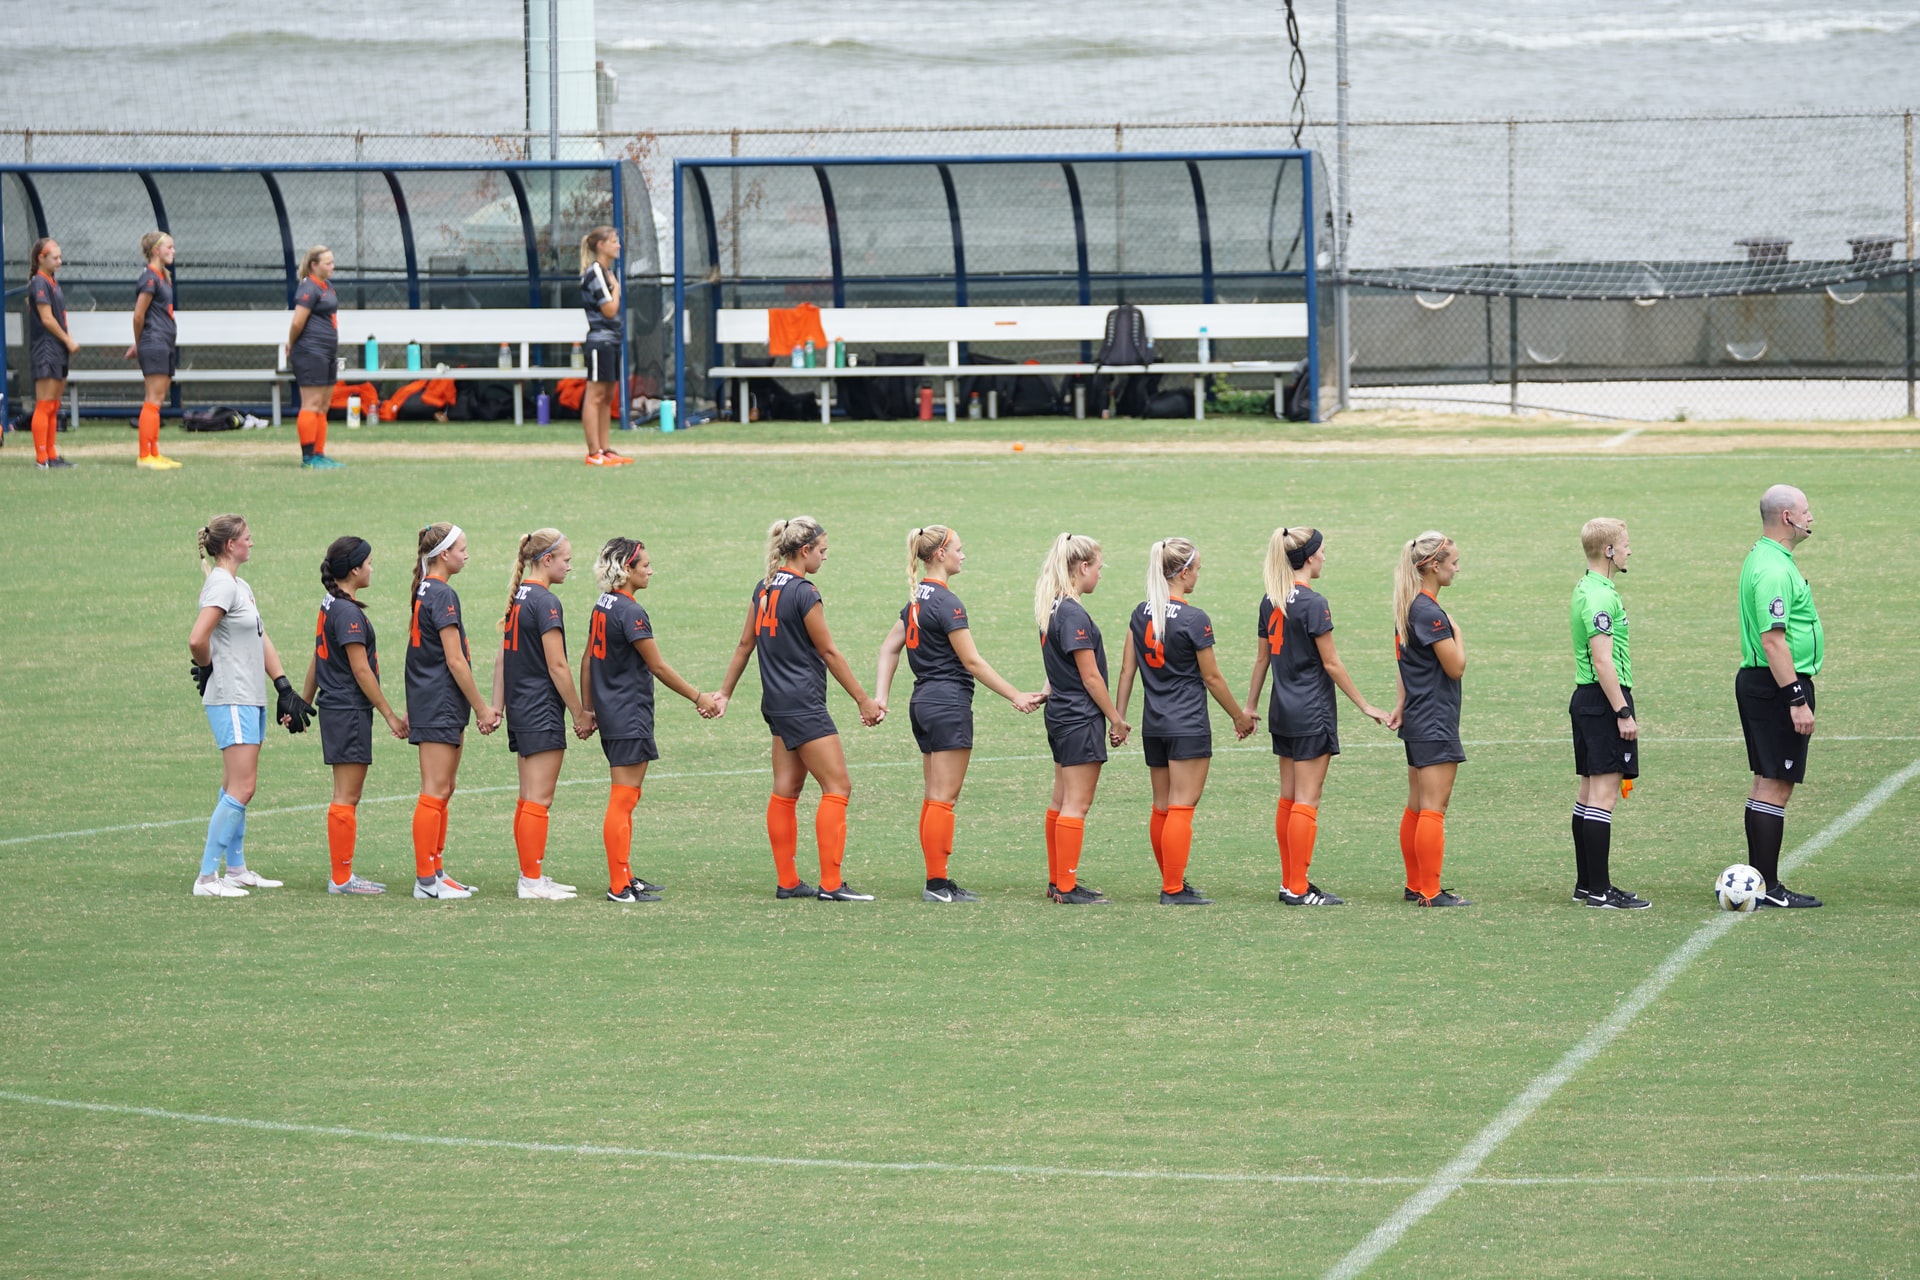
(218, 418)
(1126, 339)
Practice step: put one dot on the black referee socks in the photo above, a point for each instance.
(1593, 846)
(1766, 829)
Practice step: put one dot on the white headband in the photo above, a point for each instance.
(452, 537)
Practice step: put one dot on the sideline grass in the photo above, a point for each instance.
(1368, 1041)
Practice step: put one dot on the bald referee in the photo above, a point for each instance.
(1781, 649)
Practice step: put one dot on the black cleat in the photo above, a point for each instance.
(1445, 898)
(59, 464)
(1778, 895)
(801, 890)
(1411, 896)
(1315, 896)
(634, 892)
(845, 893)
(1187, 897)
(1078, 896)
(1584, 896)
(946, 891)
(646, 886)
(1615, 899)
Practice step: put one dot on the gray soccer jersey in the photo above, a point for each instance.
(42, 346)
(533, 704)
(931, 616)
(342, 624)
(1174, 695)
(596, 292)
(238, 644)
(434, 699)
(320, 336)
(1301, 702)
(1070, 630)
(1432, 711)
(158, 329)
(622, 681)
(793, 676)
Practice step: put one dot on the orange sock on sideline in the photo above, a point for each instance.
(46, 423)
(1177, 846)
(783, 833)
(1068, 835)
(342, 830)
(1409, 820)
(440, 840)
(1303, 828)
(530, 837)
(303, 424)
(149, 428)
(1053, 847)
(1281, 811)
(830, 833)
(617, 831)
(320, 431)
(1156, 836)
(1429, 848)
(936, 836)
(429, 821)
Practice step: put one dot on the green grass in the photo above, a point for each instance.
(1368, 1042)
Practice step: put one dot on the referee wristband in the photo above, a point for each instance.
(1796, 694)
(1624, 713)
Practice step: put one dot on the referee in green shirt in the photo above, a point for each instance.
(1781, 649)
(1606, 738)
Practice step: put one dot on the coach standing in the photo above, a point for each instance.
(1781, 649)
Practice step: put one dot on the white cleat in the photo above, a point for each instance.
(356, 884)
(248, 878)
(564, 888)
(545, 889)
(442, 890)
(217, 889)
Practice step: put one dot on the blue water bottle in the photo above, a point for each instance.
(542, 409)
(373, 352)
(413, 356)
(667, 408)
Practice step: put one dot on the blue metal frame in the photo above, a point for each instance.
(834, 257)
(1313, 302)
(620, 269)
(406, 237)
(1206, 232)
(680, 296)
(286, 237)
(526, 234)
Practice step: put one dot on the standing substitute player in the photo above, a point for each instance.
(155, 343)
(313, 345)
(1606, 738)
(600, 298)
(1781, 650)
(50, 348)
(1432, 658)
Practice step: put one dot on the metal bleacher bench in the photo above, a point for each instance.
(1223, 321)
(523, 328)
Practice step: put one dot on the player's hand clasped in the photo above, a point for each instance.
(290, 708)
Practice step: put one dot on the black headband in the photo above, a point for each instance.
(1299, 556)
(819, 531)
(345, 562)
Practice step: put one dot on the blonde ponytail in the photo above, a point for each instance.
(1280, 572)
(1167, 560)
(532, 547)
(922, 546)
(214, 537)
(788, 538)
(1415, 555)
(430, 538)
(1056, 574)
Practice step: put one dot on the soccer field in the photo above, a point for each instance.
(725, 1085)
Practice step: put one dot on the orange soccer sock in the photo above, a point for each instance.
(342, 830)
(1156, 836)
(1053, 847)
(320, 431)
(1409, 820)
(1177, 843)
(1429, 849)
(1068, 835)
(830, 833)
(1303, 828)
(617, 831)
(303, 424)
(783, 833)
(440, 839)
(46, 421)
(149, 429)
(530, 837)
(1281, 812)
(429, 821)
(936, 836)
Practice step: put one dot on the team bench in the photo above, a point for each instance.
(974, 326)
(485, 327)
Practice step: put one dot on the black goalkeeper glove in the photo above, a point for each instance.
(292, 710)
(201, 673)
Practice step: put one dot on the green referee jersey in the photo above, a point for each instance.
(1775, 596)
(1599, 611)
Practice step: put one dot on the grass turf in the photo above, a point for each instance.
(1368, 1042)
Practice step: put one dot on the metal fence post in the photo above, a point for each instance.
(1513, 254)
(1342, 218)
(1907, 125)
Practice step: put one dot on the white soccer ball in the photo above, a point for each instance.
(1739, 888)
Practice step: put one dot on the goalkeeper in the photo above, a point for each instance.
(231, 659)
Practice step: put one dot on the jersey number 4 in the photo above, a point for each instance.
(765, 621)
(1276, 632)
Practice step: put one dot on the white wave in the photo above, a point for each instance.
(1699, 29)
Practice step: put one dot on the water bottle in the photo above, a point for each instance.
(413, 357)
(353, 413)
(813, 358)
(579, 358)
(667, 408)
(1206, 346)
(797, 358)
(926, 404)
(542, 409)
(506, 356)
(373, 352)
(973, 405)
(839, 353)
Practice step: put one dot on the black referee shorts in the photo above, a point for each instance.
(1774, 750)
(1598, 747)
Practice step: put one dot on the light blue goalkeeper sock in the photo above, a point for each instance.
(223, 828)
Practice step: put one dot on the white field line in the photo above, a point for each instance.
(1614, 442)
(866, 764)
(1459, 1171)
(931, 1166)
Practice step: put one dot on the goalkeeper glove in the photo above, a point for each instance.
(291, 710)
(201, 673)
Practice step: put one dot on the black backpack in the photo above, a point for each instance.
(220, 417)
(1126, 339)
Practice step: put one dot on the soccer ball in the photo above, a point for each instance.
(1739, 888)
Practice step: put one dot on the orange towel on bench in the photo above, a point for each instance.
(790, 327)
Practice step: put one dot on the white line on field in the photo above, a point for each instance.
(1614, 442)
(926, 1166)
(865, 764)
(1459, 1171)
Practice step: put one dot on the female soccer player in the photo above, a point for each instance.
(440, 692)
(346, 668)
(1075, 658)
(600, 296)
(1170, 646)
(787, 630)
(154, 343)
(312, 345)
(231, 659)
(534, 685)
(934, 634)
(616, 687)
(1295, 641)
(49, 348)
(1605, 733)
(1426, 710)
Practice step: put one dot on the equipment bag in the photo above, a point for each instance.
(1126, 339)
(218, 418)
